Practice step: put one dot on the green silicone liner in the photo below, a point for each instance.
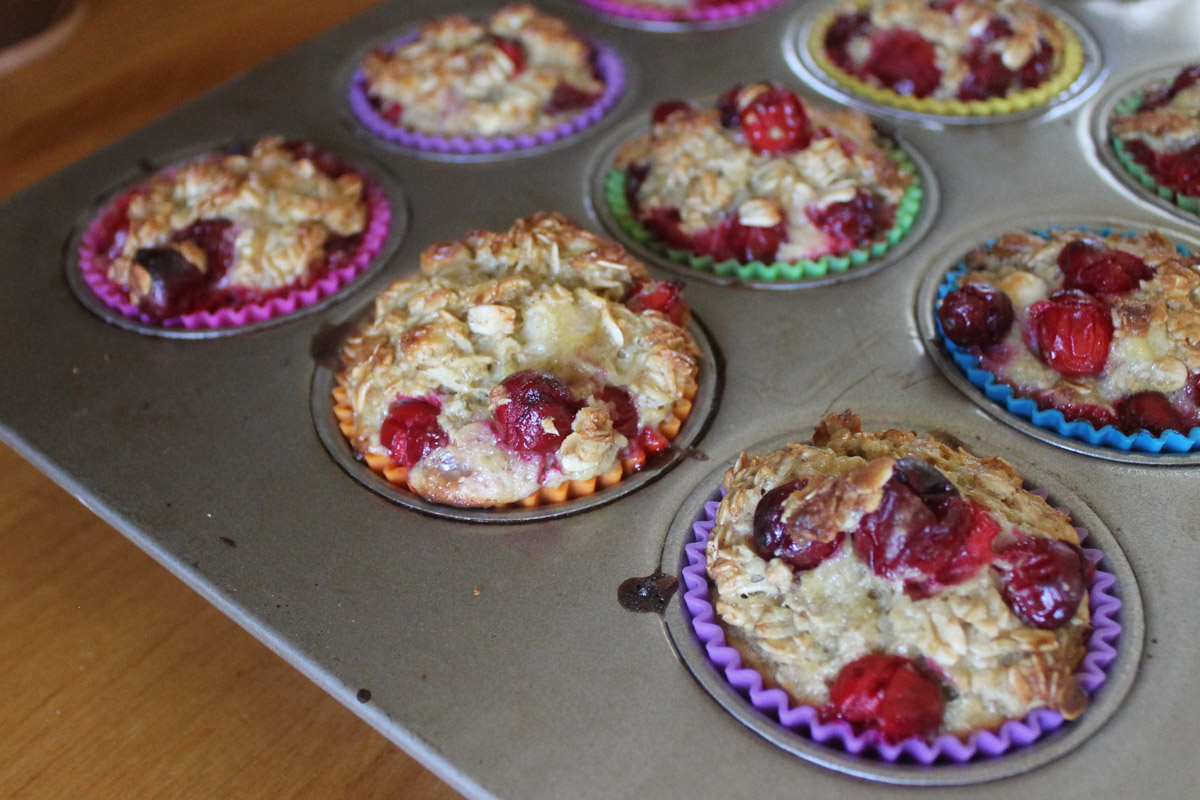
(906, 213)
(1187, 202)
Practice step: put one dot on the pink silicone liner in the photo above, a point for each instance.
(708, 13)
(94, 268)
(607, 62)
(804, 719)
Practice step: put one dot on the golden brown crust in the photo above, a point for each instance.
(802, 628)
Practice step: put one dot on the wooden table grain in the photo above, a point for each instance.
(117, 679)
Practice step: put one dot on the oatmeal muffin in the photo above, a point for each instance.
(1102, 328)
(529, 365)
(516, 72)
(948, 57)
(266, 228)
(765, 177)
(1156, 135)
(900, 584)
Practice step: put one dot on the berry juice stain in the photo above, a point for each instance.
(648, 595)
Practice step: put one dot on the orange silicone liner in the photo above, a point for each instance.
(1070, 67)
(567, 490)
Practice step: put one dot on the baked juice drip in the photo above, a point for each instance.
(900, 585)
(535, 364)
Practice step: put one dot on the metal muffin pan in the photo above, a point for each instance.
(539, 684)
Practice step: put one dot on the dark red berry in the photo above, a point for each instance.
(393, 113)
(988, 78)
(978, 315)
(1098, 416)
(1150, 411)
(514, 50)
(661, 296)
(997, 28)
(621, 410)
(411, 430)
(903, 61)
(1073, 332)
(888, 693)
(1042, 580)
(746, 243)
(727, 107)
(567, 97)
(775, 122)
(772, 540)
(1187, 77)
(667, 108)
(1183, 171)
(1037, 69)
(534, 411)
(853, 223)
(837, 38)
(920, 527)
(1096, 268)
(1192, 388)
(216, 238)
(173, 280)
(651, 441)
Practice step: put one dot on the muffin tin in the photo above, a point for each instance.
(499, 654)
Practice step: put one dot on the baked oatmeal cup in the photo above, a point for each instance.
(239, 236)
(1094, 335)
(894, 596)
(513, 80)
(523, 367)
(763, 186)
(948, 58)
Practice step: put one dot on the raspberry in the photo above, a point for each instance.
(1073, 331)
(538, 413)
(775, 122)
(661, 296)
(978, 314)
(411, 430)
(621, 410)
(853, 223)
(1042, 580)
(1096, 268)
(772, 540)
(904, 62)
(1149, 411)
(889, 693)
(667, 108)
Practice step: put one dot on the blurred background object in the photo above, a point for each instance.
(29, 29)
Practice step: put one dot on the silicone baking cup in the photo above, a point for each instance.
(607, 63)
(701, 11)
(1071, 63)
(805, 720)
(1053, 419)
(1129, 105)
(97, 238)
(568, 490)
(906, 213)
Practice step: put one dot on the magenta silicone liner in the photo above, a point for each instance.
(94, 268)
(706, 13)
(838, 734)
(607, 62)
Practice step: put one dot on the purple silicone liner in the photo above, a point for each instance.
(1105, 608)
(714, 13)
(607, 62)
(94, 269)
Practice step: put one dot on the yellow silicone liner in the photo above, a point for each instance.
(568, 490)
(1070, 68)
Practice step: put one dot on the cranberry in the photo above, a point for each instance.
(837, 38)
(854, 222)
(978, 314)
(1150, 411)
(392, 113)
(1095, 268)
(567, 97)
(727, 107)
(889, 693)
(746, 243)
(1042, 580)
(1183, 171)
(514, 50)
(771, 537)
(411, 430)
(988, 78)
(667, 108)
(1098, 416)
(651, 441)
(1037, 69)
(1073, 331)
(661, 296)
(621, 410)
(903, 61)
(775, 122)
(919, 529)
(538, 413)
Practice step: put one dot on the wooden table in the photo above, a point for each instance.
(118, 680)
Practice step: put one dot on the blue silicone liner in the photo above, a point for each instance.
(1053, 419)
